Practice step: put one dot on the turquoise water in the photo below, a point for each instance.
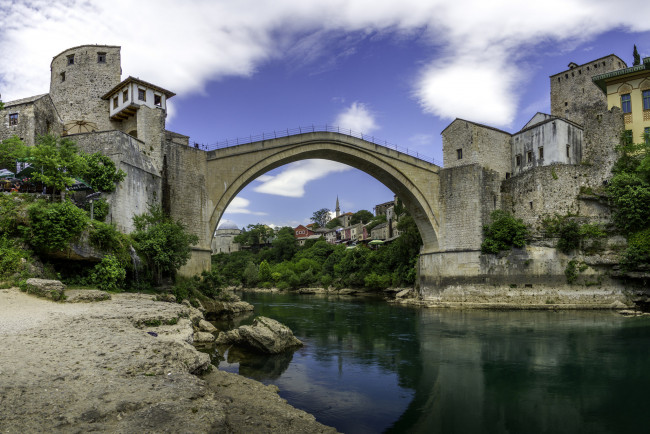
(368, 367)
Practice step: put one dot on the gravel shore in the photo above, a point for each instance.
(79, 367)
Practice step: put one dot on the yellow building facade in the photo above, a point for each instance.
(629, 89)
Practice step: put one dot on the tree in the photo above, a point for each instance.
(100, 172)
(56, 161)
(284, 245)
(335, 222)
(361, 216)
(164, 242)
(322, 216)
(11, 149)
(637, 58)
(254, 235)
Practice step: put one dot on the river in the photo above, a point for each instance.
(368, 367)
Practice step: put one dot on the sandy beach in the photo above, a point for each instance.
(79, 367)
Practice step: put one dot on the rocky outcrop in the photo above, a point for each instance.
(205, 326)
(266, 335)
(86, 296)
(218, 308)
(203, 337)
(52, 289)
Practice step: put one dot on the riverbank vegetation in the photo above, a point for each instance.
(285, 265)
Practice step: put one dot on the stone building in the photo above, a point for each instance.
(125, 120)
(224, 239)
(629, 89)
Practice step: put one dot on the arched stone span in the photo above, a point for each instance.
(415, 181)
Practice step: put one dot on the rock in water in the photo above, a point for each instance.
(205, 326)
(266, 335)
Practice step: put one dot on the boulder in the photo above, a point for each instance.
(266, 335)
(86, 295)
(205, 326)
(403, 294)
(217, 308)
(52, 289)
(201, 337)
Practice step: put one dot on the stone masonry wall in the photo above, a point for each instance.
(36, 116)
(468, 194)
(142, 185)
(572, 90)
(78, 97)
(185, 198)
(480, 144)
(602, 134)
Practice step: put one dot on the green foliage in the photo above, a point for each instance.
(378, 282)
(572, 235)
(571, 272)
(322, 216)
(264, 272)
(165, 243)
(109, 274)
(637, 254)
(11, 149)
(100, 209)
(254, 235)
(630, 194)
(335, 222)
(503, 233)
(361, 216)
(10, 213)
(284, 245)
(100, 173)
(375, 221)
(53, 225)
(12, 257)
(56, 160)
(250, 275)
(636, 56)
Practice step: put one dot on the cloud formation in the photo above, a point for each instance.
(357, 118)
(473, 73)
(239, 205)
(291, 182)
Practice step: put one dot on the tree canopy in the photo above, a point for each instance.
(637, 58)
(335, 222)
(361, 216)
(254, 235)
(322, 216)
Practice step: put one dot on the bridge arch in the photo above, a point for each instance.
(414, 181)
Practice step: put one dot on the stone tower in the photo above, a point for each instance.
(338, 209)
(572, 91)
(79, 77)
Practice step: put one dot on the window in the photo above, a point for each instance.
(115, 103)
(157, 100)
(529, 157)
(459, 154)
(62, 76)
(101, 57)
(507, 175)
(13, 119)
(142, 95)
(71, 59)
(541, 152)
(568, 151)
(646, 100)
(125, 95)
(626, 103)
(518, 160)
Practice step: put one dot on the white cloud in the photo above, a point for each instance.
(291, 182)
(182, 46)
(358, 118)
(239, 205)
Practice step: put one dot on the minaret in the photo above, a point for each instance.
(338, 209)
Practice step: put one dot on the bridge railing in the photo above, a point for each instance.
(314, 129)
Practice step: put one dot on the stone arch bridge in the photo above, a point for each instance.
(227, 171)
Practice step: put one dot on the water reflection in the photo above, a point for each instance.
(372, 367)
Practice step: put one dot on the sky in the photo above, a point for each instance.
(399, 71)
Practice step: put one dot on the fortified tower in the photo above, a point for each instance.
(80, 76)
(573, 90)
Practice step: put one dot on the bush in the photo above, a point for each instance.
(11, 257)
(378, 282)
(250, 275)
(637, 255)
(503, 233)
(109, 274)
(100, 209)
(53, 226)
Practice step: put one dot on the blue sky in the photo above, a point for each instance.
(401, 71)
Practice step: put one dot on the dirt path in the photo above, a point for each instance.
(88, 367)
